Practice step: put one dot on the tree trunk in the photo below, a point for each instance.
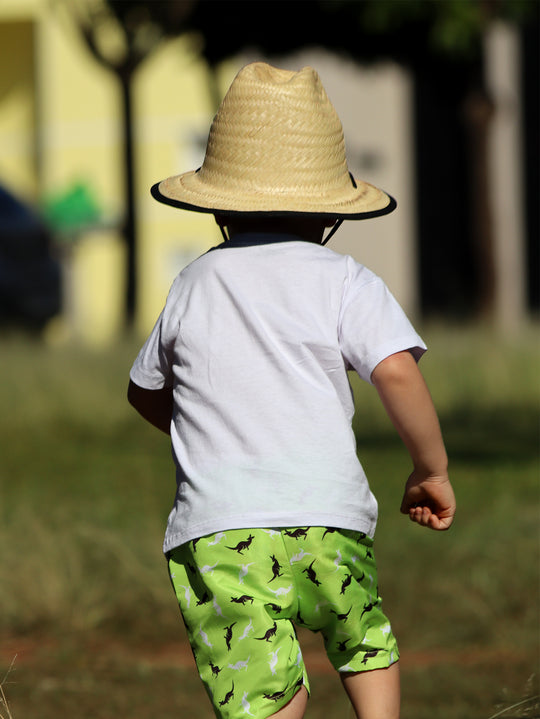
(478, 116)
(129, 225)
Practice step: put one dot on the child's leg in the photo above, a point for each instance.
(374, 694)
(295, 708)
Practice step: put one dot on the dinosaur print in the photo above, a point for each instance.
(298, 557)
(276, 569)
(340, 578)
(227, 698)
(282, 591)
(297, 533)
(311, 575)
(217, 608)
(345, 583)
(367, 608)
(228, 635)
(207, 568)
(243, 572)
(370, 655)
(217, 539)
(240, 665)
(248, 629)
(275, 696)
(269, 634)
(273, 661)
(187, 594)
(242, 546)
(242, 600)
(204, 599)
(246, 706)
(204, 637)
(342, 646)
(342, 617)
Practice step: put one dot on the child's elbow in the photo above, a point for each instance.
(395, 368)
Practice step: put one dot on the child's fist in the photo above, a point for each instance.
(429, 501)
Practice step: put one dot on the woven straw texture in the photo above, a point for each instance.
(275, 146)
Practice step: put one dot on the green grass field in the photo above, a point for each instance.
(88, 623)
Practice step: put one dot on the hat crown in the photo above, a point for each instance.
(276, 147)
(277, 132)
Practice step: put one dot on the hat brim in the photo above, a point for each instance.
(172, 191)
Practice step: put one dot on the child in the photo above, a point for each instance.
(246, 368)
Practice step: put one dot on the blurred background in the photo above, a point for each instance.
(100, 99)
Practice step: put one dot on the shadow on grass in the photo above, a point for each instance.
(498, 434)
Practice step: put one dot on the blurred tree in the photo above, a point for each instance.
(121, 34)
(440, 41)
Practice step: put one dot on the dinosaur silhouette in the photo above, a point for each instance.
(342, 617)
(276, 569)
(329, 530)
(227, 698)
(228, 635)
(275, 696)
(311, 575)
(369, 655)
(367, 608)
(345, 583)
(297, 533)
(268, 635)
(342, 646)
(215, 670)
(242, 546)
(242, 600)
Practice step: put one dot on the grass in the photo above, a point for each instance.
(85, 487)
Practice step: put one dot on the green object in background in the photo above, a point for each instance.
(72, 211)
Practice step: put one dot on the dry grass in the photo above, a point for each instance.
(85, 488)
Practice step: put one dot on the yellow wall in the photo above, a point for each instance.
(174, 111)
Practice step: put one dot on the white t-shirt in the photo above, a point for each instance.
(256, 338)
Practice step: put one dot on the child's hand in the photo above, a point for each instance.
(429, 501)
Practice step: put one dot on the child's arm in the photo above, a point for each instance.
(155, 405)
(429, 497)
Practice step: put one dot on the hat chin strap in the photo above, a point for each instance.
(332, 232)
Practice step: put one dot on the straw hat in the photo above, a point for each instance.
(275, 147)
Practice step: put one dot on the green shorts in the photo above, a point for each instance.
(242, 591)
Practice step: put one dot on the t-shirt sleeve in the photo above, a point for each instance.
(153, 367)
(373, 325)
